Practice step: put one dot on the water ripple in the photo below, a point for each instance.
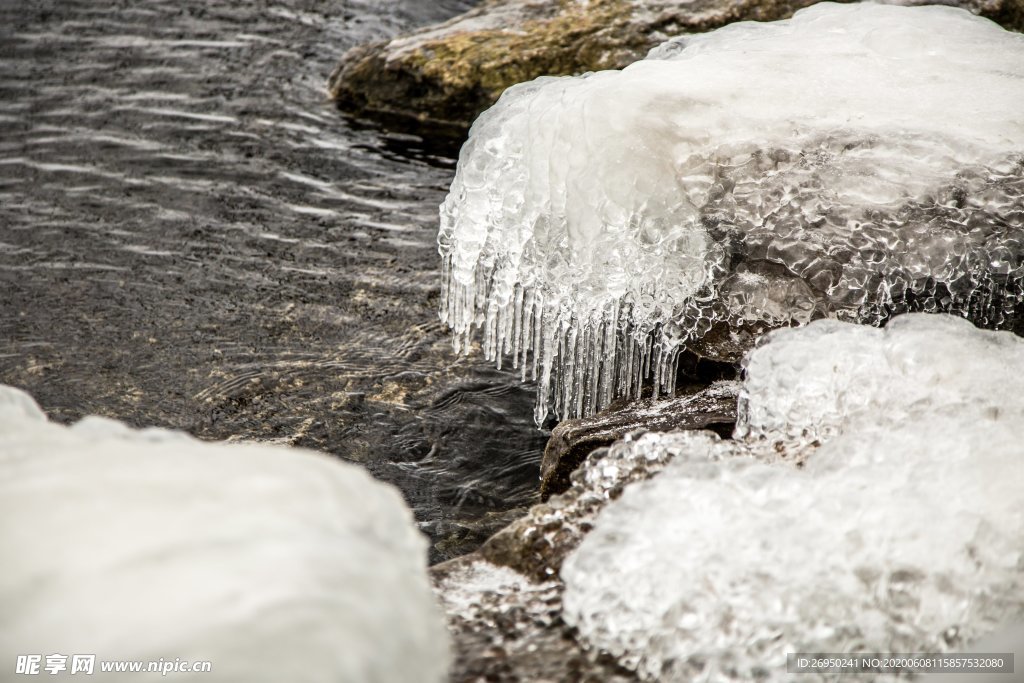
(192, 237)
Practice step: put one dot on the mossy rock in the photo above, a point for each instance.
(445, 75)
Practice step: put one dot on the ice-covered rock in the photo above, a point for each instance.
(504, 602)
(572, 441)
(271, 563)
(902, 532)
(812, 383)
(852, 162)
(450, 72)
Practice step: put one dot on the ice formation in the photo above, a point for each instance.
(852, 162)
(273, 564)
(808, 384)
(903, 532)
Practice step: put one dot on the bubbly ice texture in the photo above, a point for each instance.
(810, 384)
(272, 563)
(903, 531)
(852, 162)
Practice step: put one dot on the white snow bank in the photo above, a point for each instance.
(853, 161)
(274, 564)
(904, 532)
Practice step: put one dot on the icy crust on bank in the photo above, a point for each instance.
(854, 161)
(903, 531)
(273, 564)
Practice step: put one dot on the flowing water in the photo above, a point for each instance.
(191, 236)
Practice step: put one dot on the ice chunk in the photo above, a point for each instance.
(811, 383)
(852, 162)
(893, 540)
(17, 407)
(903, 532)
(273, 564)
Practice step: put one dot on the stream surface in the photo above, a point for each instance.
(192, 237)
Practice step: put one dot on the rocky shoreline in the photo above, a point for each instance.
(838, 465)
(506, 602)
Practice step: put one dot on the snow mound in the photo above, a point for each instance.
(852, 162)
(903, 532)
(272, 563)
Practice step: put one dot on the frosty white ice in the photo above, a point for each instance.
(853, 162)
(273, 564)
(903, 532)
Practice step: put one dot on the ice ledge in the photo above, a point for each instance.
(840, 164)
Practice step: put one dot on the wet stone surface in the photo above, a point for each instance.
(192, 237)
(713, 408)
(506, 629)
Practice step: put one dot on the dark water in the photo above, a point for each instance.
(192, 237)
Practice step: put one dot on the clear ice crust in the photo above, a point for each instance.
(853, 162)
(902, 532)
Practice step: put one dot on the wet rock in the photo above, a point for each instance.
(572, 441)
(504, 602)
(508, 629)
(536, 544)
(448, 73)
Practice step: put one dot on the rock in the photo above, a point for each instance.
(903, 524)
(448, 73)
(508, 629)
(572, 441)
(681, 556)
(536, 544)
(504, 602)
(599, 226)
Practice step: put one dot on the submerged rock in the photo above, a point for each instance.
(853, 162)
(448, 73)
(271, 563)
(572, 441)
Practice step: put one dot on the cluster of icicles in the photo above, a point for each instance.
(581, 365)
